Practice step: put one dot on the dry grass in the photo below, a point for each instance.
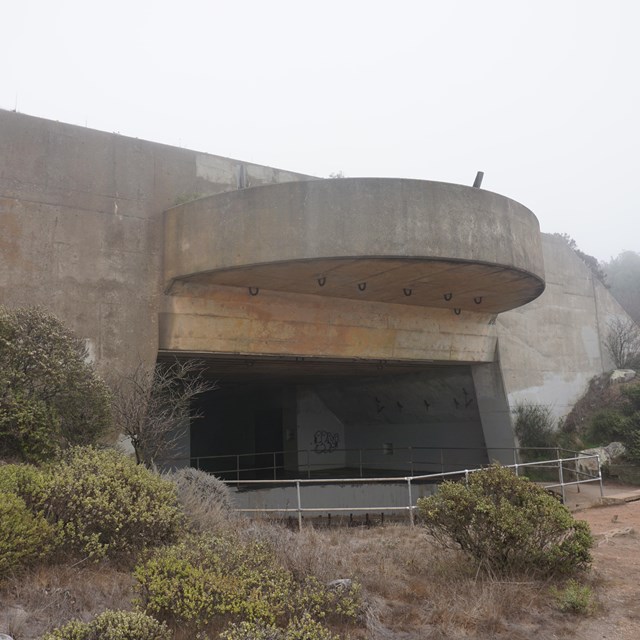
(413, 588)
(49, 596)
(411, 585)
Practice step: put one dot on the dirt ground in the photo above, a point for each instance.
(617, 571)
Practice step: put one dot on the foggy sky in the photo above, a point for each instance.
(543, 96)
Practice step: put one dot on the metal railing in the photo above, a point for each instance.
(361, 462)
(570, 472)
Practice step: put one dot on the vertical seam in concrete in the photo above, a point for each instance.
(595, 308)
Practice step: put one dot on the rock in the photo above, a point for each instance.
(607, 454)
(341, 583)
(615, 450)
(622, 375)
(590, 465)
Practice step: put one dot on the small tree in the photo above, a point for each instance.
(623, 343)
(153, 407)
(50, 395)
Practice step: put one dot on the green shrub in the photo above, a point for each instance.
(303, 628)
(605, 426)
(113, 625)
(24, 536)
(507, 524)
(25, 480)
(108, 505)
(205, 578)
(534, 427)
(574, 598)
(51, 396)
(338, 603)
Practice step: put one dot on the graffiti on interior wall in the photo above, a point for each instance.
(325, 441)
(468, 400)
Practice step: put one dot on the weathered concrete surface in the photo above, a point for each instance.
(399, 241)
(228, 320)
(81, 226)
(552, 347)
(82, 233)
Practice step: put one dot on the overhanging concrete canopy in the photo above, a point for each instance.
(410, 242)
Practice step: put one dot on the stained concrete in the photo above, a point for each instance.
(83, 232)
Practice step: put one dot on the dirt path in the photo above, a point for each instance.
(617, 572)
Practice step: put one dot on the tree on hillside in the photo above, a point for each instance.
(50, 395)
(590, 261)
(623, 275)
(153, 407)
(623, 343)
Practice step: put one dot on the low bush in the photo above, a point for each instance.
(507, 524)
(108, 505)
(205, 500)
(25, 480)
(303, 628)
(113, 625)
(574, 598)
(24, 536)
(203, 579)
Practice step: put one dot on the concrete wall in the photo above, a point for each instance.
(81, 233)
(551, 347)
(321, 434)
(201, 319)
(434, 413)
(81, 226)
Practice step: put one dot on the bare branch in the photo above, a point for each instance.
(623, 343)
(154, 407)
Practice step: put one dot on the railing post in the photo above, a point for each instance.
(515, 458)
(600, 477)
(561, 476)
(299, 505)
(411, 521)
(515, 468)
(466, 477)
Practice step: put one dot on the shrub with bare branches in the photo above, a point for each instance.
(153, 407)
(623, 343)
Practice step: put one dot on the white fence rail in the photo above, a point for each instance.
(570, 472)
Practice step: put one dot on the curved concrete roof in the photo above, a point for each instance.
(387, 240)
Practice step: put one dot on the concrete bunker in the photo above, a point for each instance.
(348, 322)
(312, 418)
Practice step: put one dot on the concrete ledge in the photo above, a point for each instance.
(401, 241)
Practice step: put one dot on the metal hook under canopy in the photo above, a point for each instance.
(407, 292)
(448, 296)
(457, 311)
(254, 291)
(362, 286)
